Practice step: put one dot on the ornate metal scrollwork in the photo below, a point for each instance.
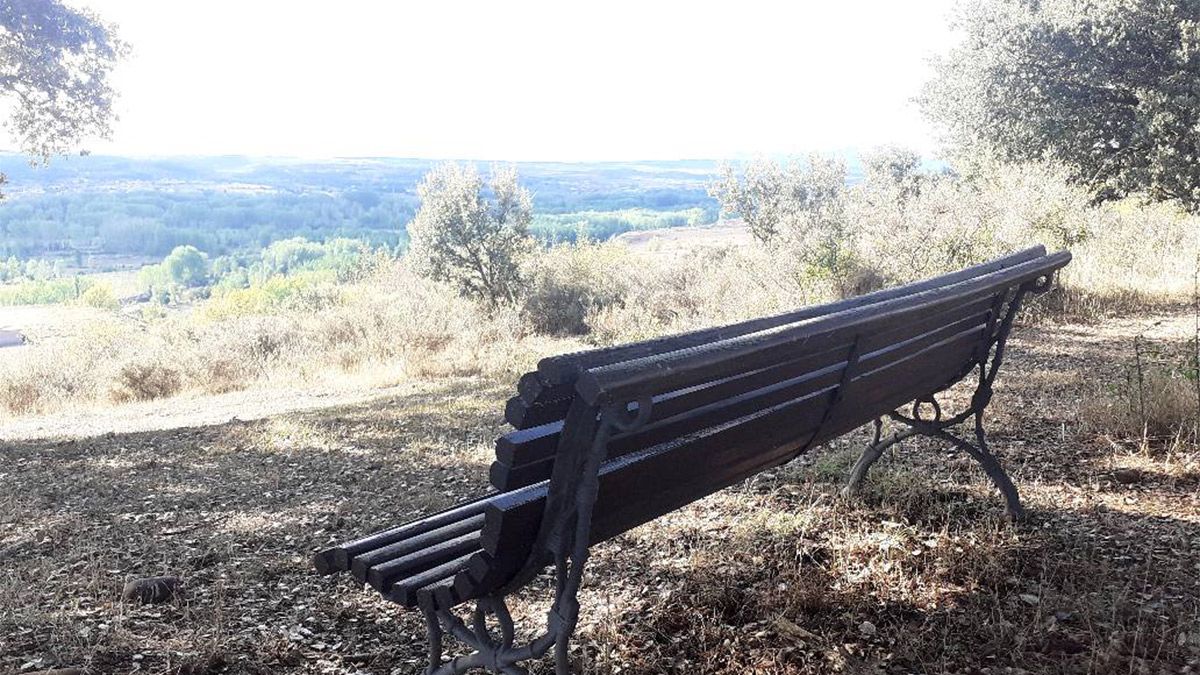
(567, 541)
(987, 362)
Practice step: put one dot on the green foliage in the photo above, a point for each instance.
(462, 237)
(55, 67)
(152, 223)
(309, 290)
(186, 267)
(99, 296)
(36, 269)
(800, 207)
(1107, 88)
(604, 225)
(51, 291)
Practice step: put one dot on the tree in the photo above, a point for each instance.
(1109, 88)
(797, 207)
(462, 237)
(55, 67)
(186, 266)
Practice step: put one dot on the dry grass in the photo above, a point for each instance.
(391, 327)
(777, 575)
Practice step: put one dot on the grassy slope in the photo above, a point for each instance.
(777, 575)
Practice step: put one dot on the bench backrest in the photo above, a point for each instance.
(526, 456)
(724, 410)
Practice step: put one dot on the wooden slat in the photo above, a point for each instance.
(381, 575)
(405, 547)
(522, 415)
(340, 557)
(404, 591)
(533, 389)
(488, 571)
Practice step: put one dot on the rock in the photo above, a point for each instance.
(1062, 644)
(153, 590)
(1029, 598)
(866, 628)
(1127, 476)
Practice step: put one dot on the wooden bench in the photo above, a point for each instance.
(608, 439)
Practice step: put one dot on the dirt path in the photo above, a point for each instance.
(191, 411)
(778, 575)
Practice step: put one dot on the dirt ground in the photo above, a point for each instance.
(779, 575)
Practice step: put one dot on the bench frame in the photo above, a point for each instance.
(563, 537)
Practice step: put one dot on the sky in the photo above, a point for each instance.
(514, 80)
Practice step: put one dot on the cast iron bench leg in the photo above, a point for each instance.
(937, 429)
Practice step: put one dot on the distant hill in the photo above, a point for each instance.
(107, 208)
(103, 205)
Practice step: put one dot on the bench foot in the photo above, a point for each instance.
(871, 455)
(500, 656)
(939, 429)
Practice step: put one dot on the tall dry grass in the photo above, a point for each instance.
(391, 326)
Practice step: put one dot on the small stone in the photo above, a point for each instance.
(153, 590)
(866, 628)
(1029, 598)
(1127, 476)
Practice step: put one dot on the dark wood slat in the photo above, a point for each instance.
(522, 415)
(523, 447)
(533, 389)
(515, 446)
(564, 368)
(404, 591)
(364, 561)
(741, 450)
(439, 596)
(490, 570)
(382, 575)
(688, 367)
(339, 558)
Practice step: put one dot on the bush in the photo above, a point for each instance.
(145, 382)
(569, 284)
(1157, 403)
(44, 292)
(99, 296)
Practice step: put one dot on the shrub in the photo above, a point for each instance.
(462, 237)
(568, 284)
(44, 292)
(99, 296)
(1156, 403)
(146, 381)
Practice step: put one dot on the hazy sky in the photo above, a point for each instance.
(517, 80)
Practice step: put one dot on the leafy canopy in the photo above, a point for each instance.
(186, 266)
(1108, 88)
(463, 237)
(55, 68)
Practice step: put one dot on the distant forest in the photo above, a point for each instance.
(146, 207)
